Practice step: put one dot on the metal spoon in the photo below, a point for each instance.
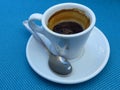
(57, 64)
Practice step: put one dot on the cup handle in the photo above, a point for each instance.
(31, 22)
(38, 32)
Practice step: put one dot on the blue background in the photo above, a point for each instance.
(15, 72)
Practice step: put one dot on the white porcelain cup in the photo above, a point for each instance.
(69, 46)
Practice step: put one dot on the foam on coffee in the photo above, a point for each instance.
(68, 21)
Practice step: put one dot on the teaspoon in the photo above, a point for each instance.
(57, 64)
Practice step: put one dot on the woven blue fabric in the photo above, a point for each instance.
(15, 72)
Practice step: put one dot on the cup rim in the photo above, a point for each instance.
(92, 16)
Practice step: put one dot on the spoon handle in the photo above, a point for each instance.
(41, 39)
(25, 23)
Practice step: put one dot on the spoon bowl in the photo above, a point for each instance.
(59, 65)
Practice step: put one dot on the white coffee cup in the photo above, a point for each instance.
(69, 46)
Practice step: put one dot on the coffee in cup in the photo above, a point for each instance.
(68, 21)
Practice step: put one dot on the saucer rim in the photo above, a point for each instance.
(100, 68)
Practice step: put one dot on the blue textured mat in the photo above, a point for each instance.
(16, 74)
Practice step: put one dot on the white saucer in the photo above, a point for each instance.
(95, 58)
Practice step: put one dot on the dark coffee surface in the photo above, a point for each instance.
(68, 28)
